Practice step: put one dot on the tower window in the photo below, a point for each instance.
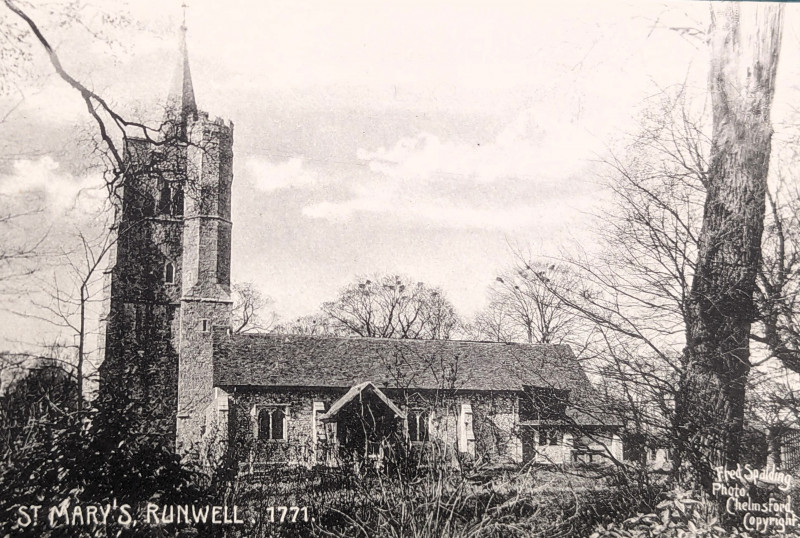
(165, 201)
(169, 273)
(148, 206)
(205, 326)
(177, 201)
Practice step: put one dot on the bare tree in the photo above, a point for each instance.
(71, 301)
(112, 127)
(643, 296)
(626, 306)
(492, 323)
(635, 295)
(249, 306)
(18, 254)
(392, 306)
(526, 309)
(778, 284)
(20, 258)
(310, 325)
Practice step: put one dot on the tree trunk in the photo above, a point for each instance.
(745, 42)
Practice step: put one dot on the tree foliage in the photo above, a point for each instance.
(101, 455)
(32, 406)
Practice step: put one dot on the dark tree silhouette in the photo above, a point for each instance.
(745, 43)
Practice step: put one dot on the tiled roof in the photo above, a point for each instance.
(264, 360)
(317, 361)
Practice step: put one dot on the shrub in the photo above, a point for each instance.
(682, 514)
(91, 457)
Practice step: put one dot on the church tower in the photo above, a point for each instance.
(168, 281)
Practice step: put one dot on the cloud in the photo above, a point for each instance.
(55, 103)
(55, 189)
(291, 174)
(533, 147)
(449, 214)
(338, 211)
(525, 177)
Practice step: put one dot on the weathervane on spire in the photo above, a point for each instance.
(180, 101)
(183, 26)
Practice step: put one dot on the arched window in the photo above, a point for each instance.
(271, 423)
(264, 423)
(278, 417)
(549, 436)
(169, 273)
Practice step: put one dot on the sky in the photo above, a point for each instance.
(421, 138)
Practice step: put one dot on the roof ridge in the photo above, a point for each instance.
(385, 339)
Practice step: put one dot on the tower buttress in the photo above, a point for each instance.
(206, 300)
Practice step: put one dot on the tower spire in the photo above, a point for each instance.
(180, 102)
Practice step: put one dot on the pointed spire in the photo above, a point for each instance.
(180, 102)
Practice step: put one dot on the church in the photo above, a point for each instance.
(169, 354)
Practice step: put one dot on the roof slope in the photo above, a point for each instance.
(351, 394)
(316, 361)
(181, 104)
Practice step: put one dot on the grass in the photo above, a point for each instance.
(551, 502)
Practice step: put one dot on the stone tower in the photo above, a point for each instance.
(168, 281)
